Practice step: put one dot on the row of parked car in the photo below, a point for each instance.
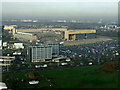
(64, 64)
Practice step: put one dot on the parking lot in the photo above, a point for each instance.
(95, 50)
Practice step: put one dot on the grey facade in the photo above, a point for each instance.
(119, 13)
(39, 53)
(55, 48)
(25, 37)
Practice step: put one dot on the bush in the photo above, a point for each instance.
(110, 67)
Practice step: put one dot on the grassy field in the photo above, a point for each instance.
(77, 77)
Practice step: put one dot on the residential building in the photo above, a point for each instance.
(55, 48)
(39, 53)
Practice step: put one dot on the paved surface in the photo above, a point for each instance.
(87, 41)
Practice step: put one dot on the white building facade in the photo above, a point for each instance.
(18, 46)
(39, 53)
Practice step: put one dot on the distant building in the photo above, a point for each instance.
(13, 31)
(17, 53)
(6, 27)
(39, 53)
(9, 27)
(5, 44)
(119, 14)
(0, 44)
(6, 61)
(18, 46)
(61, 58)
(110, 26)
(28, 37)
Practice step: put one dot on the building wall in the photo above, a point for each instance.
(8, 27)
(74, 32)
(41, 29)
(23, 37)
(119, 13)
(55, 48)
(39, 53)
(18, 45)
(0, 44)
(6, 61)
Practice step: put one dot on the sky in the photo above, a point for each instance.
(60, 0)
(36, 9)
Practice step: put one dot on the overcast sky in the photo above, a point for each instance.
(34, 9)
(60, 0)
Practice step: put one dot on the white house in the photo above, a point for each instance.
(18, 46)
(3, 86)
(4, 44)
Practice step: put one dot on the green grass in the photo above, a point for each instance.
(77, 77)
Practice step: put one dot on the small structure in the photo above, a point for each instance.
(17, 53)
(5, 44)
(33, 82)
(61, 58)
(6, 61)
(18, 46)
(64, 64)
(90, 63)
(3, 86)
(110, 26)
(44, 66)
(10, 27)
(41, 66)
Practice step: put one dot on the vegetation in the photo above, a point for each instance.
(77, 77)
(110, 67)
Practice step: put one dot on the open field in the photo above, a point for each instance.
(76, 77)
(87, 41)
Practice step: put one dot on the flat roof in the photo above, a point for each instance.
(41, 46)
(6, 57)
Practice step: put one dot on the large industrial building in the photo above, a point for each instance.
(71, 34)
(67, 34)
(39, 53)
(27, 37)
